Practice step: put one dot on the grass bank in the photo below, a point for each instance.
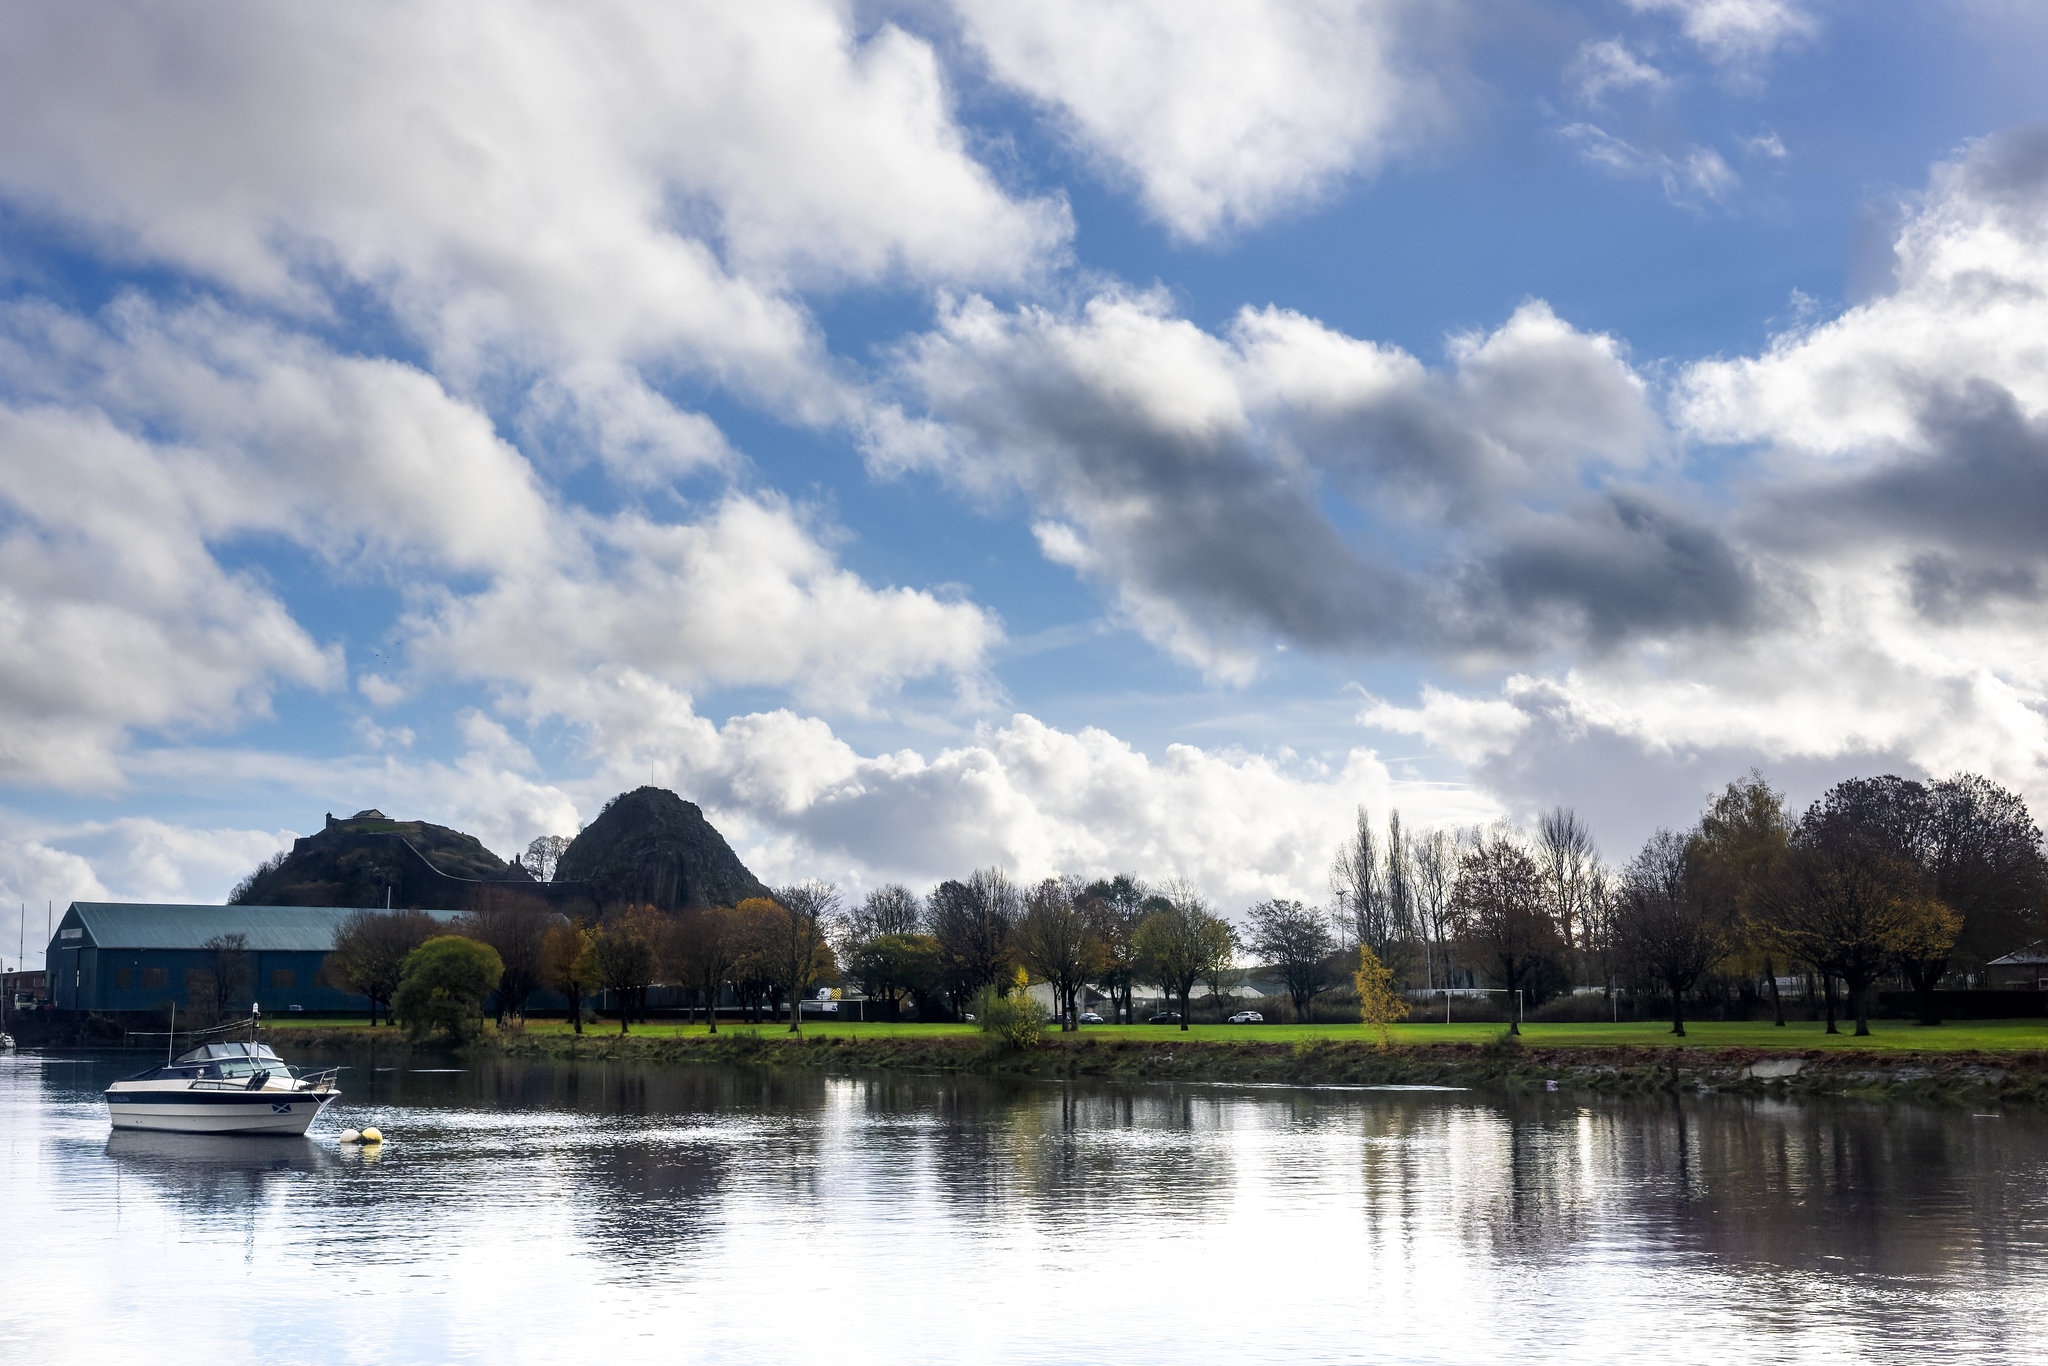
(1979, 1063)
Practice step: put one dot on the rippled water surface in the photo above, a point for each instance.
(524, 1212)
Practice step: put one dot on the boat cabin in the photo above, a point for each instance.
(222, 1061)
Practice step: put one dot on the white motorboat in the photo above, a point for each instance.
(222, 1088)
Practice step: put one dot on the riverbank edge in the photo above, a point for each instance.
(1955, 1079)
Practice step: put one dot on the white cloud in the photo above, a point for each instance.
(748, 595)
(1466, 728)
(797, 800)
(1224, 112)
(1893, 502)
(523, 186)
(190, 432)
(1603, 66)
(1738, 34)
(1970, 304)
(1695, 176)
(113, 614)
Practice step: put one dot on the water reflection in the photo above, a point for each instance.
(527, 1211)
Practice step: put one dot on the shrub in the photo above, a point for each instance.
(442, 985)
(1008, 1024)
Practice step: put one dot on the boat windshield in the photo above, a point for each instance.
(223, 1053)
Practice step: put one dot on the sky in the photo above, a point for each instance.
(1077, 437)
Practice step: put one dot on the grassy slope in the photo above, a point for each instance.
(1888, 1036)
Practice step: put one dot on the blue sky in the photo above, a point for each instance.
(1080, 437)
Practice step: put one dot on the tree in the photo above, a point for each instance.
(517, 927)
(1114, 906)
(568, 964)
(1984, 851)
(442, 985)
(1182, 942)
(1358, 879)
(370, 949)
(1665, 920)
(1297, 941)
(803, 942)
(1433, 860)
(1734, 852)
(1851, 898)
(1380, 1003)
(974, 922)
(892, 966)
(1568, 858)
(754, 974)
(625, 958)
(889, 909)
(1500, 906)
(1055, 941)
(544, 854)
(233, 978)
(704, 947)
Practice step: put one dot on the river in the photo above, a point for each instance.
(547, 1213)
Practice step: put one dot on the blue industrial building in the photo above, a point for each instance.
(113, 957)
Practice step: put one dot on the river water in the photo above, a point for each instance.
(547, 1213)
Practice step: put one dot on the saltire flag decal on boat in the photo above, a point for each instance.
(281, 1107)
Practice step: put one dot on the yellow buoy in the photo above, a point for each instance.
(372, 1136)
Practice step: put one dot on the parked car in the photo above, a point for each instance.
(1165, 1017)
(1246, 1017)
(1090, 1017)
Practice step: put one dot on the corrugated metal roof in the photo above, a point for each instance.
(272, 929)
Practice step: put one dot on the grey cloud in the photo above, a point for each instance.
(1620, 567)
(1205, 480)
(1965, 504)
(2007, 171)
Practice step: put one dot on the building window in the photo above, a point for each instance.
(283, 979)
(124, 978)
(154, 977)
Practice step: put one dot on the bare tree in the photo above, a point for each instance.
(1056, 942)
(803, 944)
(1398, 881)
(1501, 907)
(1566, 853)
(1666, 920)
(1297, 942)
(1433, 859)
(889, 909)
(974, 922)
(1358, 879)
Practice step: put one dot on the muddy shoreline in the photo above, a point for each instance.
(1954, 1079)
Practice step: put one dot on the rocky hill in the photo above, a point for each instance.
(367, 857)
(649, 845)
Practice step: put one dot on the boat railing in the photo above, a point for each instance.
(323, 1080)
(137, 1038)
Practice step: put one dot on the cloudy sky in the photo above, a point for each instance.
(1121, 435)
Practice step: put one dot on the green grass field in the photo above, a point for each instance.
(1994, 1036)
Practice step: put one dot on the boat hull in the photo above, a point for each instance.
(227, 1112)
